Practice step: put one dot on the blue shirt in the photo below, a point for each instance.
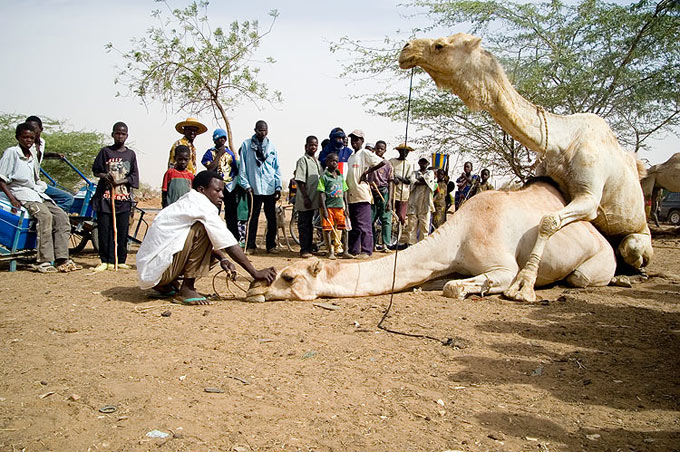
(264, 179)
(343, 154)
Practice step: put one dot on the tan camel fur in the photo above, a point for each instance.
(580, 152)
(489, 238)
(664, 175)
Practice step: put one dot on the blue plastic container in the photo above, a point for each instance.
(14, 227)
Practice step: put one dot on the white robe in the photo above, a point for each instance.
(169, 231)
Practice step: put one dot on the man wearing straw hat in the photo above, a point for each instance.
(190, 128)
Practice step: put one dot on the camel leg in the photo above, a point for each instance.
(655, 205)
(582, 207)
(596, 271)
(493, 282)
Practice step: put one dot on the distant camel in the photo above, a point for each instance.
(664, 175)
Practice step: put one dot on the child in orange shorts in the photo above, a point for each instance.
(333, 191)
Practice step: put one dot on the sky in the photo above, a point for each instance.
(56, 66)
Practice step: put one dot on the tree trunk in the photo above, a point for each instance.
(227, 124)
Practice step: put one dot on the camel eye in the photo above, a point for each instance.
(287, 278)
(438, 46)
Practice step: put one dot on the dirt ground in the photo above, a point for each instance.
(594, 369)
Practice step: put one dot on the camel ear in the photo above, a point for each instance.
(316, 268)
(473, 43)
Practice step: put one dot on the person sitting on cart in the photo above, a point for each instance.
(63, 198)
(177, 180)
(185, 237)
(116, 168)
(19, 182)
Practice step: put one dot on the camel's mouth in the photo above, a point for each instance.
(408, 57)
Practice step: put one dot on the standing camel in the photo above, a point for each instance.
(664, 175)
(580, 152)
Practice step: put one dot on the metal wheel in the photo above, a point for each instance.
(78, 241)
(674, 217)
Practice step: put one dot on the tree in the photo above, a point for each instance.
(621, 62)
(79, 147)
(182, 61)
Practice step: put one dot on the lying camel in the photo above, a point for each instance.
(579, 152)
(664, 175)
(489, 238)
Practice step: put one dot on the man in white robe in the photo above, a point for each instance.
(185, 237)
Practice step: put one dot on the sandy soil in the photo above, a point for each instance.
(593, 369)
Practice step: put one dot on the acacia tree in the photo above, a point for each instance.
(79, 147)
(188, 66)
(621, 62)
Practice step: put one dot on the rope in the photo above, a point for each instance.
(396, 253)
(228, 288)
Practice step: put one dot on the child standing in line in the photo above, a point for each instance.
(116, 168)
(177, 181)
(420, 204)
(333, 190)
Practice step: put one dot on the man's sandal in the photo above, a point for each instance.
(69, 266)
(189, 301)
(45, 267)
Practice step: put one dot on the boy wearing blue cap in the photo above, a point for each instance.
(225, 162)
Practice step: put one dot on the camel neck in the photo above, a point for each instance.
(520, 118)
(432, 257)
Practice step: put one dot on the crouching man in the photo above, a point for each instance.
(185, 237)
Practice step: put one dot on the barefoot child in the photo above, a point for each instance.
(116, 168)
(333, 190)
(177, 180)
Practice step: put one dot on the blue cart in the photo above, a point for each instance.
(17, 229)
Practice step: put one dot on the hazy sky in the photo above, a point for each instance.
(55, 65)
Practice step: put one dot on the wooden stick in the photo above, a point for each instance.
(115, 228)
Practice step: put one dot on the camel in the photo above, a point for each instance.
(579, 152)
(489, 238)
(664, 175)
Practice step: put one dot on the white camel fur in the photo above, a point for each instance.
(664, 175)
(579, 152)
(489, 238)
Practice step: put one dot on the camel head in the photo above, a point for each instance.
(299, 281)
(636, 250)
(458, 63)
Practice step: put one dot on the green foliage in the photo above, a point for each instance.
(621, 62)
(185, 64)
(79, 147)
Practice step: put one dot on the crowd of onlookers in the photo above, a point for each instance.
(343, 183)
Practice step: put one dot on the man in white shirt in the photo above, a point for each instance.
(420, 205)
(359, 198)
(183, 239)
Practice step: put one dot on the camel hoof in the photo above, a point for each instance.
(520, 292)
(255, 298)
(256, 292)
(453, 290)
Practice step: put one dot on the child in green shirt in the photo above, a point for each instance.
(333, 191)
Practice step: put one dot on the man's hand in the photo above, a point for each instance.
(249, 190)
(307, 202)
(267, 274)
(229, 268)
(324, 212)
(389, 207)
(16, 205)
(277, 196)
(363, 177)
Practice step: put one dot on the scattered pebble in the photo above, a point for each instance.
(44, 383)
(205, 313)
(440, 402)
(593, 437)
(107, 409)
(157, 434)
(496, 436)
(213, 390)
(309, 354)
(74, 397)
(166, 314)
(182, 377)
(537, 372)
